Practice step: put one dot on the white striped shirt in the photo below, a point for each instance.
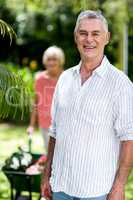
(89, 122)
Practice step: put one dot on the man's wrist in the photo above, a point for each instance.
(119, 184)
(47, 171)
(122, 176)
(46, 176)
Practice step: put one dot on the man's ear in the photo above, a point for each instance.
(107, 38)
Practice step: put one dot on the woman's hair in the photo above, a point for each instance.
(54, 51)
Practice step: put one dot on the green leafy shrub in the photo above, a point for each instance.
(27, 80)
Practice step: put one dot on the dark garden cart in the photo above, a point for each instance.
(21, 182)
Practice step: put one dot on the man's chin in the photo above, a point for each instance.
(89, 56)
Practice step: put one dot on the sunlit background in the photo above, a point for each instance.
(40, 24)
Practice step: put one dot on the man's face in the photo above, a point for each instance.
(91, 38)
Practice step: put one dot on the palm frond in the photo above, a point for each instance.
(6, 29)
(13, 95)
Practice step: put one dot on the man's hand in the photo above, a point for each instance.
(117, 193)
(46, 189)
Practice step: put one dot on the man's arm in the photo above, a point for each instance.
(45, 185)
(124, 169)
(51, 147)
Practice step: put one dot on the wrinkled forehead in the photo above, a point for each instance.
(90, 24)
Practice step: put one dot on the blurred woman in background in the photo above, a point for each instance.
(45, 82)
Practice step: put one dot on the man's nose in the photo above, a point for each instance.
(89, 38)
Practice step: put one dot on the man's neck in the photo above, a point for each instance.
(91, 64)
(87, 67)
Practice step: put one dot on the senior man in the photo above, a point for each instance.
(91, 136)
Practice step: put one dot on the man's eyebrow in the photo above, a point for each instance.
(82, 30)
(94, 31)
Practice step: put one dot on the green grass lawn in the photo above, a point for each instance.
(11, 137)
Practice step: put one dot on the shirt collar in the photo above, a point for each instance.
(100, 70)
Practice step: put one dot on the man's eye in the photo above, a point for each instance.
(82, 33)
(96, 34)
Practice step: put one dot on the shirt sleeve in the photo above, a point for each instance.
(54, 107)
(124, 112)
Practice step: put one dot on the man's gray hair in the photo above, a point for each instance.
(90, 14)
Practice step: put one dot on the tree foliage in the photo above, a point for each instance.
(12, 91)
(40, 24)
(6, 29)
(13, 95)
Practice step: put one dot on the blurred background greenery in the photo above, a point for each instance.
(39, 24)
(42, 23)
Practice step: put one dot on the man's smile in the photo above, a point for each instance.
(88, 47)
